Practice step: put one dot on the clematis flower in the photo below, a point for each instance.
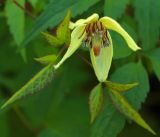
(93, 33)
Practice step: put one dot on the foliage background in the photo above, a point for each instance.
(61, 108)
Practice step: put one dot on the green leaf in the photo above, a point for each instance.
(16, 21)
(125, 108)
(54, 12)
(54, 41)
(129, 73)
(115, 8)
(109, 123)
(120, 87)
(154, 56)
(95, 101)
(62, 33)
(35, 84)
(75, 122)
(33, 2)
(148, 11)
(120, 48)
(36, 107)
(47, 59)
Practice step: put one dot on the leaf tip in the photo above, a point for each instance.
(151, 130)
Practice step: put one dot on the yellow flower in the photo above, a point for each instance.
(93, 32)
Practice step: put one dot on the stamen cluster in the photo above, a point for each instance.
(96, 29)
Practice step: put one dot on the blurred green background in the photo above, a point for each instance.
(61, 108)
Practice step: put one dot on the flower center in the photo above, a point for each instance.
(96, 37)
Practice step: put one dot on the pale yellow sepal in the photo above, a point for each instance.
(76, 39)
(71, 25)
(102, 63)
(110, 23)
(94, 17)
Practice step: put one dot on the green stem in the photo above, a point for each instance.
(84, 59)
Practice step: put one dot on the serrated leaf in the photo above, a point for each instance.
(110, 122)
(54, 12)
(54, 41)
(16, 21)
(148, 11)
(95, 101)
(115, 8)
(62, 33)
(35, 84)
(154, 56)
(120, 87)
(49, 59)
(125, 108)
(129, 73)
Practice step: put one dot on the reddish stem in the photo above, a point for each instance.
(24, 9)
